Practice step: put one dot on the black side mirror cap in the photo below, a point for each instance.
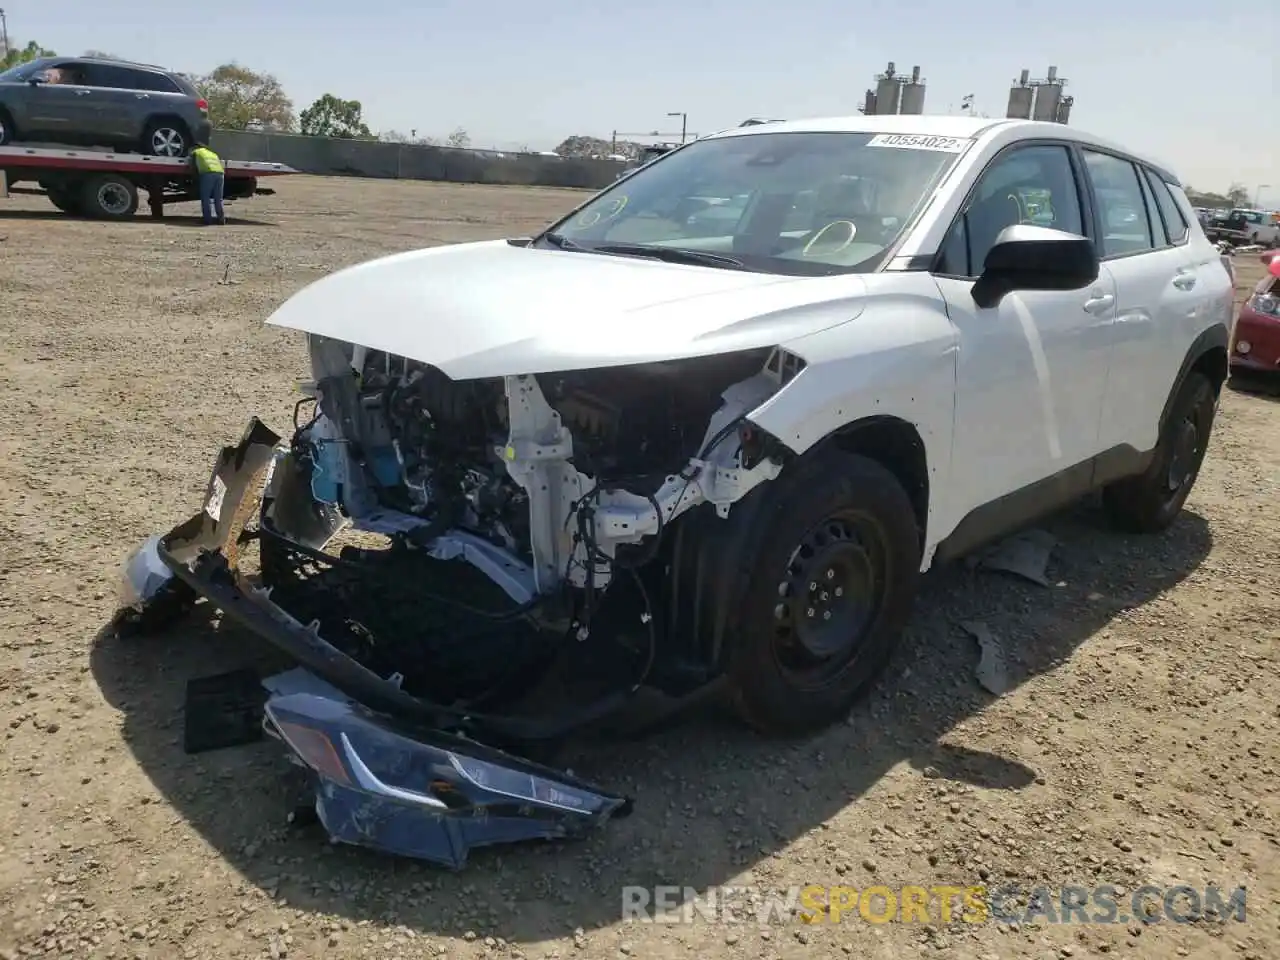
(1028, 257)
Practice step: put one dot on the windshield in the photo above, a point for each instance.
(802, 204)
(24, 71)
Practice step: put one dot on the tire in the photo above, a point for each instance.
(64, 199)
(1151, 501)
(166, 138)
(840, 521)
(7, 132)
(109, 196)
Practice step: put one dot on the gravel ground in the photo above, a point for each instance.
(1139, 743)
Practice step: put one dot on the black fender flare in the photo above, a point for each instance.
(1216, 337)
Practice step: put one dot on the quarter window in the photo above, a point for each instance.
(1175, 223)
(1028, 185)
(158, 82)
(1126, 221)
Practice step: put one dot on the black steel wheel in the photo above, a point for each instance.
(1151, 501)
(829, 594)
(828, 598)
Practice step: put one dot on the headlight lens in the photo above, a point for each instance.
(1265, 303)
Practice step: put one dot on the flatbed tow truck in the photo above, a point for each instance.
(92, 183)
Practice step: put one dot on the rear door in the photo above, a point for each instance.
(1158, 300)
(121, 104)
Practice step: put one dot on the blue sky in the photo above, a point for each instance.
(1150, 75)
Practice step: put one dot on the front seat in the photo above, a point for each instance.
(842, 202)
(987, 218)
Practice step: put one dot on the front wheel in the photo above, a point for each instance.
(828, 596)
(1151, 501)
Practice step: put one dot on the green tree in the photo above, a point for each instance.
(239, 96)
(332, 117)
(14, 55)
(1238, 194)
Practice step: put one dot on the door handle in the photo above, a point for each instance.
(1184, 280)
(142, 96)
(83, 93)
(1099, 303)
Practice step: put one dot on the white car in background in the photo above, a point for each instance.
(1258, 225)
(681, 457)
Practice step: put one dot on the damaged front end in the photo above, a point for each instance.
(468, 572)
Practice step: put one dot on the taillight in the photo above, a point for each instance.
(203, 104)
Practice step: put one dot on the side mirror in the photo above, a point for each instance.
(1027, 257)
(38, 78)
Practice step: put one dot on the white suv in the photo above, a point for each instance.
(679, 456)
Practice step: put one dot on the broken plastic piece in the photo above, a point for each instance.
(1025, 554)
(992, 671)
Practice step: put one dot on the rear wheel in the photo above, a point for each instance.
(7, 133)
(166, 138)
(1151, 501)
(109, 197)
(829, 595)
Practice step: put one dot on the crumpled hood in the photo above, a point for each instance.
(491, 309)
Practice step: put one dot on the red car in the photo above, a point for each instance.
(1255, 341)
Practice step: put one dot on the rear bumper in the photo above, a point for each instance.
(392, 772)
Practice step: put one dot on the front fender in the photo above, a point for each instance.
(897, 360)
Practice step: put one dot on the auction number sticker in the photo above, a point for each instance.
(919, 141)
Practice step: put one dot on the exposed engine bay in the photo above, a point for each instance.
(541, 482)
(491, 622)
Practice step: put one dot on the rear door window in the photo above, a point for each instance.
(116, 78)
(1126, 221)
(1175, 224)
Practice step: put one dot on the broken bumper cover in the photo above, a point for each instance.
(387, 776)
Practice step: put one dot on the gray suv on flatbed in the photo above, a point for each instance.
(83, 101)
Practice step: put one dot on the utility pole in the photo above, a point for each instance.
(1257, 195)
(684, 124)
(4, 32)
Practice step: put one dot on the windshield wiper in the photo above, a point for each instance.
(668, 254)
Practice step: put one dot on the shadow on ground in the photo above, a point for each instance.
(169, 219)
(1256, 384)
(711, 800)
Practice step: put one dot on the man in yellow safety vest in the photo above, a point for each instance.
(210, 175)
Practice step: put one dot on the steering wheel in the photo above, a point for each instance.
(850, 228)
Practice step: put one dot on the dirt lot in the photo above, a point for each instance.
(1140, 743)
